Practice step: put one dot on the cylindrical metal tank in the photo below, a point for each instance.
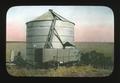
(38, 29)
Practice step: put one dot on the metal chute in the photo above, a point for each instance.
(53, 31)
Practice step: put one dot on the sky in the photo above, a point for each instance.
(92, 23)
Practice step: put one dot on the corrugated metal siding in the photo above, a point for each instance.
(38, 29)
(39, 34)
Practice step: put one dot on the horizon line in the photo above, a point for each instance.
(75, 41)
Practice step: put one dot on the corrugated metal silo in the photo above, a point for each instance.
(38, 29)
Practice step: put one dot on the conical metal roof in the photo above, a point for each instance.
(46, 16)
(50, 16)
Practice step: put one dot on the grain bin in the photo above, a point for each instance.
(38, 29)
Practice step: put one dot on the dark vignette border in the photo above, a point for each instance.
(115, 8)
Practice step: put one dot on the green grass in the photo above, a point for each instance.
(74, 71)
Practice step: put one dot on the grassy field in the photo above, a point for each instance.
(103, 47)
(81, 71)
(106, 48)
(74, 71)
(16, 46)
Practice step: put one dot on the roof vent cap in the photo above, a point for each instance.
(50, 10)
